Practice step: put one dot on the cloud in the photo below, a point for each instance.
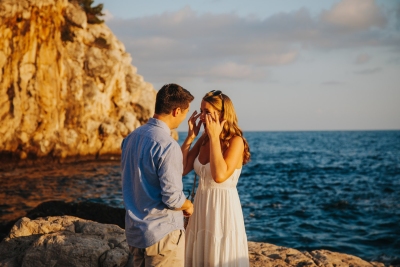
(332, 83)
(394, 60)
(368, 71)
(276, 59)
(397, 16)
(355, 15)
(398, 11)
(231, 71)
(362, 59)
(188, 45)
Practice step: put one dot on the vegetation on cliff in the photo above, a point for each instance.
(92, 12)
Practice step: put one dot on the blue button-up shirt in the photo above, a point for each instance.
(151, 184)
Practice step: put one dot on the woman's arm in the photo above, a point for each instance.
(193, 131)
(222, 164)
(190, 155)
(185, 147)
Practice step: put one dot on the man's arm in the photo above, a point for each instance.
(170, 175)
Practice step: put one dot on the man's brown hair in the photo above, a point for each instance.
(172, 96)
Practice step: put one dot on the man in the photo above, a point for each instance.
(152, 167)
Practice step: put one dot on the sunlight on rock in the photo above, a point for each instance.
(67, 87)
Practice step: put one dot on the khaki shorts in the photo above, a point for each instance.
(169, 251)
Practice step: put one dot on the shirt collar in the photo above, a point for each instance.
(161, 124)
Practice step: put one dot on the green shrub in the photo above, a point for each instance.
(92, 13)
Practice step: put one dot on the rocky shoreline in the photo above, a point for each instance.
(92, 234)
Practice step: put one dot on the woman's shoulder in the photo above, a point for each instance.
(236, 140)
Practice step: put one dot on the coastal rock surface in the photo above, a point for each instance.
(268, 255)
(67, 87)
(64, 241)
(71, 241)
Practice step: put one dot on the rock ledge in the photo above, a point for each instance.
(72, 241)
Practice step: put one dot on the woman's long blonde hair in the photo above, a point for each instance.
(224, 105)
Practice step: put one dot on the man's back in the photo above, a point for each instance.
(152, 184)
(152, 166)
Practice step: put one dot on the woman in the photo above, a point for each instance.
(215, 235)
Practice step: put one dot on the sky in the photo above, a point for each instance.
(293, 65)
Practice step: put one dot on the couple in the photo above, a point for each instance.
(152, 166)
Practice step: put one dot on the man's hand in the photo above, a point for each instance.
(187, 208)
(188, 212)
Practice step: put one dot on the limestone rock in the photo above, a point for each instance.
(71, 241)
(97, 212)
(67, 88)
(326, 258)
(64, 241)
(264, 254)
(268, 255)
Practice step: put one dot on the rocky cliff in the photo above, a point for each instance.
(67, 87)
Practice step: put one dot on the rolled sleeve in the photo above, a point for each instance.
(170, 175)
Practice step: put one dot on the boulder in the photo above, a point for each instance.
(85, 210)
(268, 255)
(64, 241)
(72, 241)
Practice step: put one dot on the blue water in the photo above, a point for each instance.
(333, 190)
(305, 190)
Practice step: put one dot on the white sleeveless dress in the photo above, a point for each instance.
(215, 235)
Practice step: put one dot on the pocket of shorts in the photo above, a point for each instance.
(153, 250)
(170, 242)
(166, 244)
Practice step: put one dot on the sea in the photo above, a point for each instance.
(334, 190)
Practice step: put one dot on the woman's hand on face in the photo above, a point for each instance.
(213, 125)
(193, 127)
